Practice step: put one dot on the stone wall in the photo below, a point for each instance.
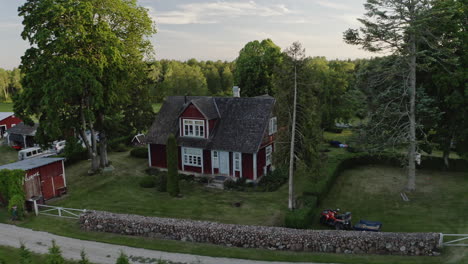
(273, 238)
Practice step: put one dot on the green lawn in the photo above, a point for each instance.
(372, 192)
(6, 107)
(7, 155)
(119, 191)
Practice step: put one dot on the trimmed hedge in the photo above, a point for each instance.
(161, 181)
(273, 180)
(300, 218)
(337, 164)
(148, 181)
(141, 153)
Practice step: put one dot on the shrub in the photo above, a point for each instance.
(161, 182)
(25, 255)
(240, 185)
(273, 180)
(120, 147)
(123, 259)
(140, 152)
(18, 201)
(299, 218)
(113, 143)
(185, 177)
(152, 171)
(83, 258)
(148, 181)
(172, 170)
(55, 255)
(74, 151)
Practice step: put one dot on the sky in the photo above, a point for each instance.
(218, 29)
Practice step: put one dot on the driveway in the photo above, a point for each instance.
(102, 253)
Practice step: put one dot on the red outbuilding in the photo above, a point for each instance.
(44, 178)
(7, 121)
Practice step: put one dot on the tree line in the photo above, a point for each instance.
(10, 83)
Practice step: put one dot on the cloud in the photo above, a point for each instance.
(9, 25)
(332, 5)
(215, 12)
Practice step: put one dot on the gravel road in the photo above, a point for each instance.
(102, 253)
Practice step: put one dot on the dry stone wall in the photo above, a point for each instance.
(273, 238)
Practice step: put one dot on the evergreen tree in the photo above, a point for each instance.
(84, 259)
(123, 259)
(397, 26)
(172, 170)
(25, 255)
(55, 255)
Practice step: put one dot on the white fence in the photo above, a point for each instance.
(42, 209)
(451, 240)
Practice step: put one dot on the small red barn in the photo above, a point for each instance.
(44, 177)
(7, 121)
(228, 136)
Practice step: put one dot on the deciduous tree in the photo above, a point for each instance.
(81, 66)
(255, 67)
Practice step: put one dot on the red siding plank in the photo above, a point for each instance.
(158, 156)
(192, 112)
(247, 166)
(261, 161)
(192, 169)
(10, 121)
(207, 161)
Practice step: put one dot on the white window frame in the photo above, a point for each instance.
(215, 159)
(193, 128)
(192, 157)
(268, 156)
(272, 126)
(237, 157)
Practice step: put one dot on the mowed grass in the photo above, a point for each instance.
(439, 204)
(6, 107)
(11, 256)
(119, 192)
(7, 155)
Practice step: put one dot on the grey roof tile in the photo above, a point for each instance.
(241, 127)
(29, 164)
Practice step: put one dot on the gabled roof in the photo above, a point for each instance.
(23, 129)
(29, 164)
(5, 115)
(240, 128)
(207, 107)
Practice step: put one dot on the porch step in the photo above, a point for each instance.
(216, 185)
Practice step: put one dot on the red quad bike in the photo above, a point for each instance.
(333, 218)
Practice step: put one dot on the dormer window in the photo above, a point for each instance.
(194, 128)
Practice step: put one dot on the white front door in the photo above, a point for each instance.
(223, 162)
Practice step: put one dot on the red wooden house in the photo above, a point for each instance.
(7, 121)
(44, 177)
(228, 136)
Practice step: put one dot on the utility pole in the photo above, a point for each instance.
(291, 204)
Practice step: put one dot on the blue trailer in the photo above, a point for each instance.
(365, 225)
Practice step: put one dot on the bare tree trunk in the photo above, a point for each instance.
(411, 186)
(291, 204)
(94, 155)
(446, 156)
(103, 143)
